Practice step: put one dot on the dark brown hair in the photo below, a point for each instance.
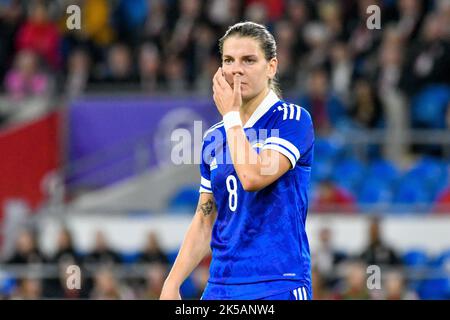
(259, 33)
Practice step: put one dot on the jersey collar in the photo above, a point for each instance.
(261, 110)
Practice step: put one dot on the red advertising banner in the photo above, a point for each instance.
(28, 153)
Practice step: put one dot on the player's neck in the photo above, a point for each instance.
(248, 107)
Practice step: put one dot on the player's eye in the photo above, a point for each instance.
(249, 61)
(227, 61)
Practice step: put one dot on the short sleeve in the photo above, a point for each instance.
(295, 135)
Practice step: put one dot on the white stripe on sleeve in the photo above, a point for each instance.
(285, 144)
(205, 182)
(282, 151)
(203, 190)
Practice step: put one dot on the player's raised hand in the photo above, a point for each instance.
(226, 98)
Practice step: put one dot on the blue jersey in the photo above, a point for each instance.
(260, 236)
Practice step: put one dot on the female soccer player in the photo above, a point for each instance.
(255, 172)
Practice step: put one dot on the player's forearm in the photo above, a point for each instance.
(246, 161)
(195, 246)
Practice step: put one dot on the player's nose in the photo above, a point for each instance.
(237, 69)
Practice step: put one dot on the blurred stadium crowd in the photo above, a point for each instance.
(28, 273)
(356, 82)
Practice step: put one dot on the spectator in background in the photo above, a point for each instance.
(317, 39)
(331, 15)
(326, 258)
(377, 251)
(182, 33)
(273, 8)
(362, 41)
(410, 19)
(341, 70)
(153, 253)
(155, 277)
(394, 287)
(208, 69)
(40, 35)
(96, 26)
(319, 288)
(286, 44)
(65, 251)
(366, 108)
(223, 12)
(102, 254)
(443, 7)
(156, 24)
(29, 288)
(330, 197)
(326, 109)
(149, 67)
(26, 80)
(64, 256)
(11, 15)
(389, 66)
(257, 12)
(429, 58)
(203, 45)
(106, 287)
(119, 68)
(78, 73)
(129, 18)
(26, 250)
(354, 286)
(175, 74)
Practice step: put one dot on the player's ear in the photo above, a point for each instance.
(272, 68)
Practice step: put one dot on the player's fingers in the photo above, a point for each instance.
(237, 89)
(216, 86)
(218, 78)
(222, 81)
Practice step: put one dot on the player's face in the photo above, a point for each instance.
(244, 55)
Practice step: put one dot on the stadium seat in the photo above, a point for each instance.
(384, 169)
(129, 257)
(443, 260)
(428, 107)
(375, 191)
(348, 173)
(325, 150)
(415, 261)
(415, 258)
(433, 172)
(321, 169)
(435, 288)
(411, 194)
(184, 200)
(7, 284)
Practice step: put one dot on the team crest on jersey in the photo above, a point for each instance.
(257, 145)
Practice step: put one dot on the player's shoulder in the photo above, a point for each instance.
(214, 128)
(288, 111)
